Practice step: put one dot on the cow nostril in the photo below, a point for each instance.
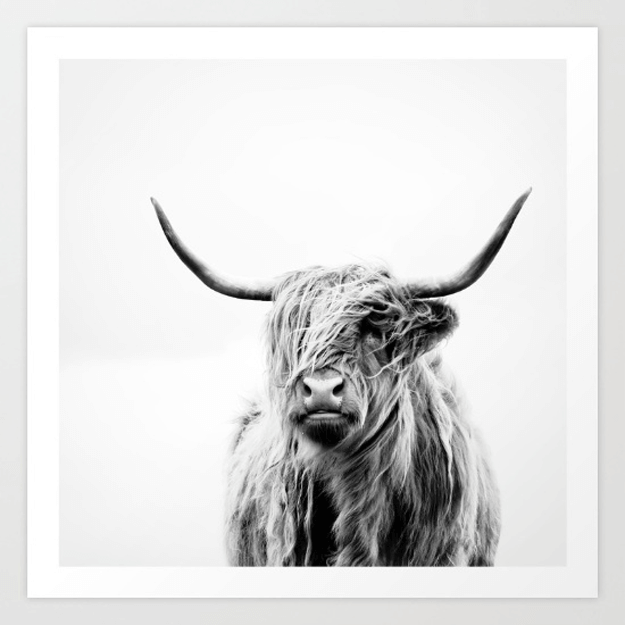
(307, 391)
(337, 391)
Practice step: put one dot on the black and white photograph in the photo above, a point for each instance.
(313, 314)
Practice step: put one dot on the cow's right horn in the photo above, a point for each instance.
(234, 287)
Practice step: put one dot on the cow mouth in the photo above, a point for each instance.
(324, 415)
(326, 427)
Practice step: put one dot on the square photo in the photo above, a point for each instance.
(313, 318)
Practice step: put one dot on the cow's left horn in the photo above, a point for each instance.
(241, 289)
(476, 268)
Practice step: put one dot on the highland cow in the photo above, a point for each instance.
(360, 452)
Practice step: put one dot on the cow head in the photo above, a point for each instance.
(340, 343)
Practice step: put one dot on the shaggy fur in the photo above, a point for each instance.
(408, 484)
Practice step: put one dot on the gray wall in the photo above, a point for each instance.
(16, 16)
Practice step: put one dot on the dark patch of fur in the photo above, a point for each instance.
(320, 535)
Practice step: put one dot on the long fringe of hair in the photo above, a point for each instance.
(409, 487)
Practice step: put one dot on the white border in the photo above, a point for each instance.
(46, 46)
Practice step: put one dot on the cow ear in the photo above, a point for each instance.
(435, 320)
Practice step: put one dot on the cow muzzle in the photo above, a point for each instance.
(327, 410)
(322, 392)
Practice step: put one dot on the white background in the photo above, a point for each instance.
(264, 167)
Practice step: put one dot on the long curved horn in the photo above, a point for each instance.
(475, 269)
(241, 289)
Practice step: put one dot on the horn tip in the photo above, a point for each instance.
(160, 213)
(162, 218)
(518, 205)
